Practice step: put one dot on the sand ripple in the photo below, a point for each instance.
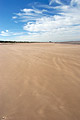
(39, 82)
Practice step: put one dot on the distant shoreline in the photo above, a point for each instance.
(65, 42)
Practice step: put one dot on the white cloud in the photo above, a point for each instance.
(31, 14)
(45, 6)
(60, 34)
(14, 17)
(43, 25)
(55, 1)
(8, 33)
(32, 11)
(66, 19)
(75, 2)
(5, 33)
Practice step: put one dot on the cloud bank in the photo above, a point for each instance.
(57, 21)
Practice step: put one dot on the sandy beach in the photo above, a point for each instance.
(39, 81)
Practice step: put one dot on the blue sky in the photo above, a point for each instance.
(40, 20)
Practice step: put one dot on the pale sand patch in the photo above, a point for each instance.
(39, 81)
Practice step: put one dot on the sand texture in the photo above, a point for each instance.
(39, 81)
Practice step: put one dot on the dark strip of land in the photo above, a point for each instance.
(64, 42)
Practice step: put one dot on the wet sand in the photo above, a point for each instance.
(39, 81)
